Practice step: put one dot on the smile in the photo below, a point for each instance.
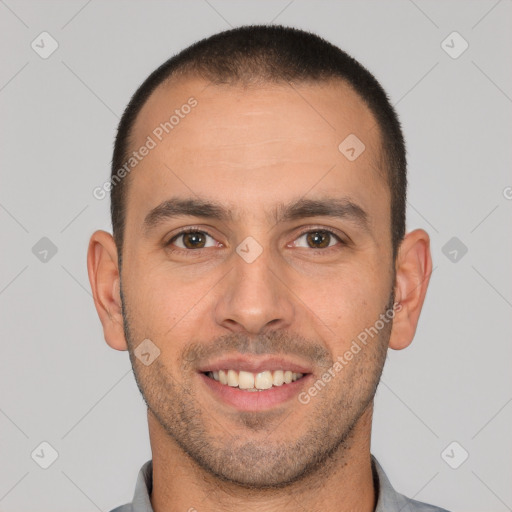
(250, 381)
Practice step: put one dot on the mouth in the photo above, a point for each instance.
(250, 384)
(249, 381)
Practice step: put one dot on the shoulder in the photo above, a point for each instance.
(410, 505)
(390, 500)
(123, 508)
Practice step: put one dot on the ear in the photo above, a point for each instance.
(102, 266)
(413, 268)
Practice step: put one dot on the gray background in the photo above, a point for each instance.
(62, 384)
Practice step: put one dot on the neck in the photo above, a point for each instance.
(343, 483)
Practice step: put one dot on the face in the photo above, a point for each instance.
(287, 260)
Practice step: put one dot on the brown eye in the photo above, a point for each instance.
(192, 240)
(318, 239)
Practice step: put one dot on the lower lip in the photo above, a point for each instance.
(255, 400)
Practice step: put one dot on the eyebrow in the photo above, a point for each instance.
(341, 208)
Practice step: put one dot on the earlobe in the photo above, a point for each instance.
(413, 269)
(102, 267)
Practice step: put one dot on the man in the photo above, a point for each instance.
(258, 272)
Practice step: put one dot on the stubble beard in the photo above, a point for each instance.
(253, 459)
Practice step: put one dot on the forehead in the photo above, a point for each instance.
(326, 109)
(253, 143)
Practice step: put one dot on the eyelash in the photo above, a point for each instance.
(198, 230)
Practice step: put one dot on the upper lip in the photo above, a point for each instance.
(255, 364)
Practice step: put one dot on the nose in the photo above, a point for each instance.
(254, 297)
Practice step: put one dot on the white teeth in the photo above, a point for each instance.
(263, 380)
(250, 382)
(245, 380)
(278, 379)
(232, 378)
(223, 378)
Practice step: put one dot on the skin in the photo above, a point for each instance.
(251, 149)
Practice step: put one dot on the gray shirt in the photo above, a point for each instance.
(388, 499)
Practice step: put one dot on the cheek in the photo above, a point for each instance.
(153, 302)
(346, 302)
(168, 309)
